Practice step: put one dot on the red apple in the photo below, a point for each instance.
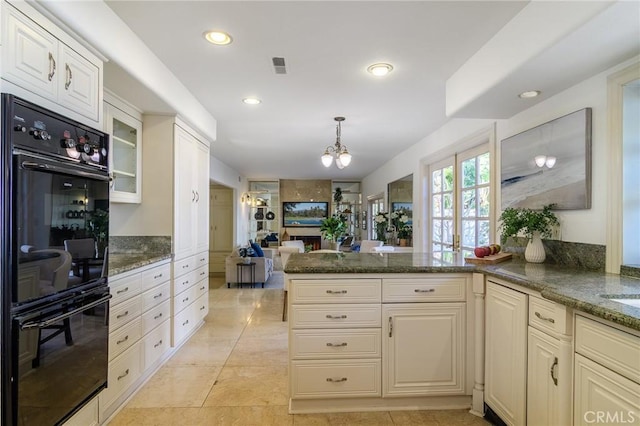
(479, 252)
(487, 251)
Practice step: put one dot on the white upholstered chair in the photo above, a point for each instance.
(383, 249)
(367, 246)
(288, 248)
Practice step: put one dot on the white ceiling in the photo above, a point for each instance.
(327, 46)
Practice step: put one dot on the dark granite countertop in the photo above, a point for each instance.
(123, 262)
(579, 289)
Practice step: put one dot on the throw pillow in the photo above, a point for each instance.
(256, 247)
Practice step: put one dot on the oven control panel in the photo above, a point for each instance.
(42, 131)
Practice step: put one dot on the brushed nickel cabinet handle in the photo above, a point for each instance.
(69, 76)
(543, 318)
(124, 290)
(155, 277)
(122, 315)
(158, 316)
(52, 67)
(553, 371)
(337, 345)
(342, 379)
(126, 373)
(157, 344)
(336, 316)
(337, 292)
(429, 290)
(123, 340)
(157, 295)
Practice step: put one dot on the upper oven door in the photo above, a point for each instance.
(53, 202)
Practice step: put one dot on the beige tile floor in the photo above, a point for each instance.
(233, 371)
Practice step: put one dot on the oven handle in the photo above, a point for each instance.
(51, 321)
(32, 165)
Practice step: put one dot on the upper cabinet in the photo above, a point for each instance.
(124, 126)
(44, 65)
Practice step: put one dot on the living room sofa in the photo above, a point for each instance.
(264, 269)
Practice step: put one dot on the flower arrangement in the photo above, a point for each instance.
(381, 220)
(405, 232)
(399, 219)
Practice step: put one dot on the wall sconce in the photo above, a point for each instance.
(543, 160)
(246, 198)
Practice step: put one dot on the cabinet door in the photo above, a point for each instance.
(602, 396)
(78, 83)
(506, 353)
(125, 155)
(184, 193)
(202, 197)
(411, 366)
(542, 379)
(30, 55)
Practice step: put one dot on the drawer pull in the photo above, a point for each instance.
(157, 295)
(186, 299)
(126, 373)
(185, 282)
(123, 340)
(155, 277)
(122, 315)
(157, 344)
(336, 345)
(202, 259)
(337, 292)
(185, 266)
(202, 273)
(336, 317)
(553, 371)
(158, 316)
(124, 290)
(202, 288)
(342, 379)
(429, 290)
(185, 323)
(551, 320)
(202, 308)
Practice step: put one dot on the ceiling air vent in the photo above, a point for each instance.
(278, 65)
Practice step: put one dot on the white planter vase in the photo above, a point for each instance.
(334, 245)
(534, 252)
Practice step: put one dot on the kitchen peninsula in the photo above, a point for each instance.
(407, 331)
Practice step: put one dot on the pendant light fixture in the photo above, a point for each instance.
(339, 151)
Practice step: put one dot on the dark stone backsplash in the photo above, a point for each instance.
(563, 253)
(630, 271)
(140, 244)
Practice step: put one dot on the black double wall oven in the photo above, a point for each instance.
(54, 323)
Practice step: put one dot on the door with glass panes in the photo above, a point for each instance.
(460, 198)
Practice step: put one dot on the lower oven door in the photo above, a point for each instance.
(60, 354)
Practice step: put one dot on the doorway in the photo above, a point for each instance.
(220, 227)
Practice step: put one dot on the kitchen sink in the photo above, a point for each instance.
(627, 299)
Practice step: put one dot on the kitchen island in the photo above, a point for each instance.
(385, 331)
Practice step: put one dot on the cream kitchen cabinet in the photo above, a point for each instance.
(139, 331)
(124, 125)
(44, 65)
(606, 374)
(191, 206)
(190, 299)
(506, 353)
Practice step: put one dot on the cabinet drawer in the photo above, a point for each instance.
(335, 344)
(202, 306)
(155, 276)
(202, 287)
(335, 379)
(155, 296)
(155, 344)
(124, 338)
(182, 283)
(125, 288)
(184, 299)
(202, 259)
(181, 267)
(183, 323)
(335, 291)
(335, 316)
(154, 317)
(202, 273)
(123, 313)
(548, 316)
(123, 371)
(608, 346)
(427, 289)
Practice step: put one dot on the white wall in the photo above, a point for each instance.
(225, 175)
(585, 226)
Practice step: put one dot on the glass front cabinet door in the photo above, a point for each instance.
(126, 154)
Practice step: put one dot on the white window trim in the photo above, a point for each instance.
(615, 83)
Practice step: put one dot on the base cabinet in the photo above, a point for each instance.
(411, 331)
(542, 380)
(506, 357)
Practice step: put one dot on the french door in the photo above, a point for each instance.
(460, 198)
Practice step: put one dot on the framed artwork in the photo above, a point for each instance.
(548, 164)
(304, 214)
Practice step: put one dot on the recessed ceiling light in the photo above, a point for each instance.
(251, 101)
(218, 37)
(380, 69)
(529, 94)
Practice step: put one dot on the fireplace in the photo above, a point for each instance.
(315, 241)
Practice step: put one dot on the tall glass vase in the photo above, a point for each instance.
(534, 252)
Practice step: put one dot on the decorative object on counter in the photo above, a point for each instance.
(332, 228)
(402, 223)
(285, 235)
(259, 215)
(270, 216)
(549, 162)
(381, 220)
(534, 224)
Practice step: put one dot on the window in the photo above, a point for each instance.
(460, 198)
(376, 205)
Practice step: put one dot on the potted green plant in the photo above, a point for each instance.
(404, 235)
(534, 224)
(98, 228)
(332, 228)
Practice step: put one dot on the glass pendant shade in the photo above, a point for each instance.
(540, 159)
(551, 161)
(339, 163)
(327, 159)
(345, 158)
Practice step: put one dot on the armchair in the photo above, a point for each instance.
(289, 247)
(367, 246)
(264, 269)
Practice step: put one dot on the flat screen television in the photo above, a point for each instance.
(304, 213)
